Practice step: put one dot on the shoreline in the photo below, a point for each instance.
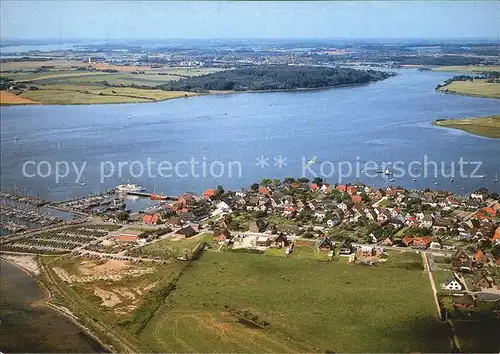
(445, 91)
(36, 103)
(195, 94)
(461, 125)
(46, 296)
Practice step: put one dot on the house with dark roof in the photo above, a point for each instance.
(222, 236)
(326, 245)
(187, 231)
(345, 248)
(482, 280)
(280, 241)
(460, 259)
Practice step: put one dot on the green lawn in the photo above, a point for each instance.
(484, 126)
(170, 245)
(303, 305)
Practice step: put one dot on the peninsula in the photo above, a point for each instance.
(484, 126)
(276, 77)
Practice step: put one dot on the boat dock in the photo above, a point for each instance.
(148, 195)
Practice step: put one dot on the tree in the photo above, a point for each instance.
(276, 182)
(219, 193)
(122, 215)
(318, 181)
(266, 182)
(254, 187)
(303, 180)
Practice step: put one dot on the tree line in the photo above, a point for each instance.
(275, 77)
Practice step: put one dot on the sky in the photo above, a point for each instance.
(41, 19)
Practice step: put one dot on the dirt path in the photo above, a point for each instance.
(434, 293)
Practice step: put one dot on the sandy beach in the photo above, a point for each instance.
(28, 263)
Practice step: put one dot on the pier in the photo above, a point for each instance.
(148, 195)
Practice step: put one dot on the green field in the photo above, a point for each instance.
(478, 88)
(484, 126)
(467, 68)
(171, 246)
(66, 85)
(67, 94)
(301, 305)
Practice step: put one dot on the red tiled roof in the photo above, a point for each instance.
(127, 238)
(425, 240)
(356, 198)
(351, 189)
(314, 186)
(209, 192)
(407, 240)
(264, 190)
(480, 256)
(490, 211)
(341, 188)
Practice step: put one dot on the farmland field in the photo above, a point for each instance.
(478, 88)
(299, 305)
(467, 68)
(88, 95)
(8, 98)
(91, 87)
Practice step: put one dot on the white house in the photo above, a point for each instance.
(452, 284)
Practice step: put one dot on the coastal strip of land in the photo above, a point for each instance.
(476, 88)
(484, 126)
(71, 83)
(467, 68)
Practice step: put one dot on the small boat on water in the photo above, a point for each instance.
(379, 171)
(387, 172)
(391, 179)
(436, 183)
(451, 179)
(496, 178)
(482, 176)
(16, 137)
(414, 180)
(313, 160)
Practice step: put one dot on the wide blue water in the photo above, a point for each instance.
(384, 121)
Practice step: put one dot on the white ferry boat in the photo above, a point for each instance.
(129, 187)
